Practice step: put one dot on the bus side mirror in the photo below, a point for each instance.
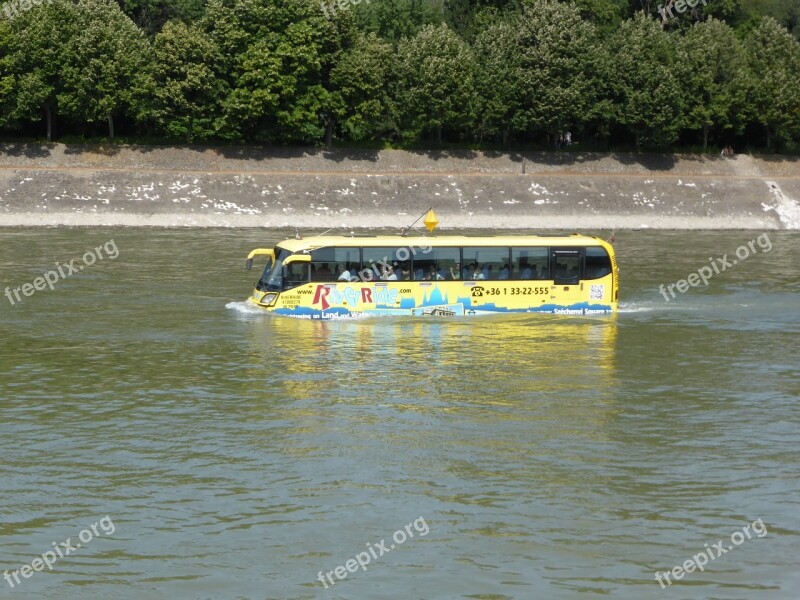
(268, 252)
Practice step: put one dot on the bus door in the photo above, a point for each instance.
(566, 268)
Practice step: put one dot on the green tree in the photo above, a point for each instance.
(152, 15)
(774, 59)
(647, 93)
(500, 84)
(396, 19)
(8, 81)
(102, 62)
(186, 88)
(729, 11)
(436, 71)
(359, 86)
(40, 35)
(278, 53)
(714, 76)
(605, 14)
(557, 52)
(785, 12)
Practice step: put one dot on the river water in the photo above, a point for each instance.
(222, 453)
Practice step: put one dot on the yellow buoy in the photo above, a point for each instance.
(431, 222)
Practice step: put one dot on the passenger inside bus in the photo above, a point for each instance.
(342, 273)
(433, 274)
(353, 268)
(455, 271)
(524, 269)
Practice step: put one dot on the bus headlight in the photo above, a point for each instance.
(268, 298)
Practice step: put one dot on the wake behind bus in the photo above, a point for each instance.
(337, 277)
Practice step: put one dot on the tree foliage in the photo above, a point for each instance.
(614, 72)
(103, 60)
(364, 108)
(186, 86)
(436, 70)
(774, 59)
(647, 90)
(556, 49)
(714, 77)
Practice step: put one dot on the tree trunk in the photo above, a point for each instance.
(111, 126)
(769, 138)
(439, 134)
(505, 138)
(49, 122)
(189, 130)
(637, 140)
(329, 132)
(705, 137)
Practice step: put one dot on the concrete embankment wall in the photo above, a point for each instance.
(249, 187)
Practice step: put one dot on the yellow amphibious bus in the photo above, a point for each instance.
(331, 277)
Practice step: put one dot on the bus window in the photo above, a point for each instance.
(491, 262)
(329, 264)
(598, 263)
(376, 260)
(272, 277)
(529, 263)
(438, 264)
(295, 274)
(566, 265)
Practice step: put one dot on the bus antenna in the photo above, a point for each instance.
(405, 229)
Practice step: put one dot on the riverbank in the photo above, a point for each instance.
(58, 185)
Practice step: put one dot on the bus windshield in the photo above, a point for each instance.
(272, 277)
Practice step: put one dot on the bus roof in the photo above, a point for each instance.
(334, 241)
